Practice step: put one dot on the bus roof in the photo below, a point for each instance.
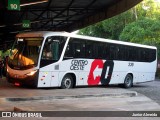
(50, 33)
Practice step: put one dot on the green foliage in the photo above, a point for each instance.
(145, 31)
(4, 54)
(141, 24)
(1, 53)
(141, 30)
(110, 28)
(94, 30)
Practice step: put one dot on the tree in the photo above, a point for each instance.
(141, 30)
(146, 29)
(110, 28)
(140, 24)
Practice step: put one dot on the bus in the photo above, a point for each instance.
(66, 60)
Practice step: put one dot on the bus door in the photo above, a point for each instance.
(50, 54)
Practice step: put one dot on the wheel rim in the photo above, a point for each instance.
(67, 83)
(128, 81)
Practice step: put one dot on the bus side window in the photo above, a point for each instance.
(121, 52)
(152, 55)
(117, 51)
(143, 54)
(112, 52)
(79, 48)
(68, 52)
(75, 49)
(95, 50)
(89, 49)
(107, 53)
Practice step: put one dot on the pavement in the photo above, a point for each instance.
(98, 98)
(22, 93)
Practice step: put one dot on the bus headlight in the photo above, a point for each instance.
(31, 73)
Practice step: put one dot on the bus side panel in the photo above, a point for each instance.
(82, 77)
(136, 77)
(121, 69)
(144, 77)
(116, 78)
(73, 66)
(54, 79)
(48, 77)
(87, 71)
(78, 67)
(145, 71)
(141, 71)
(44, 79)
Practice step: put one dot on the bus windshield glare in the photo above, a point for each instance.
(25, 53)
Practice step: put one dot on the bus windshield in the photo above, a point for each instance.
(52, 49)
(25, 53)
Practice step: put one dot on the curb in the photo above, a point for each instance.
(38, 98)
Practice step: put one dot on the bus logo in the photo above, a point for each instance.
(93, 79)
(78, 64)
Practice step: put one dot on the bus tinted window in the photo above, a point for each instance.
(75, 49)
(80, 48)
(89, 50)
(52, 50)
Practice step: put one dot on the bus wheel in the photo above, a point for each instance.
(128, 81)
(67, 82)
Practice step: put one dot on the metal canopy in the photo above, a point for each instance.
(58, 15)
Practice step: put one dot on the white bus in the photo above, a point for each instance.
(66, 60)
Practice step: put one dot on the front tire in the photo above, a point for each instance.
(67, 82)
(128, 81)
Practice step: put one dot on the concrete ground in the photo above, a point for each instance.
(100, 98)
(149, 89)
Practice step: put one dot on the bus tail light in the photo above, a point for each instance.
(31, 73)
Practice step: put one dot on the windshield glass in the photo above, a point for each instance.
(52, 50)
(25, 53)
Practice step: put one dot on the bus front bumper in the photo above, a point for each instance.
(23, 80)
